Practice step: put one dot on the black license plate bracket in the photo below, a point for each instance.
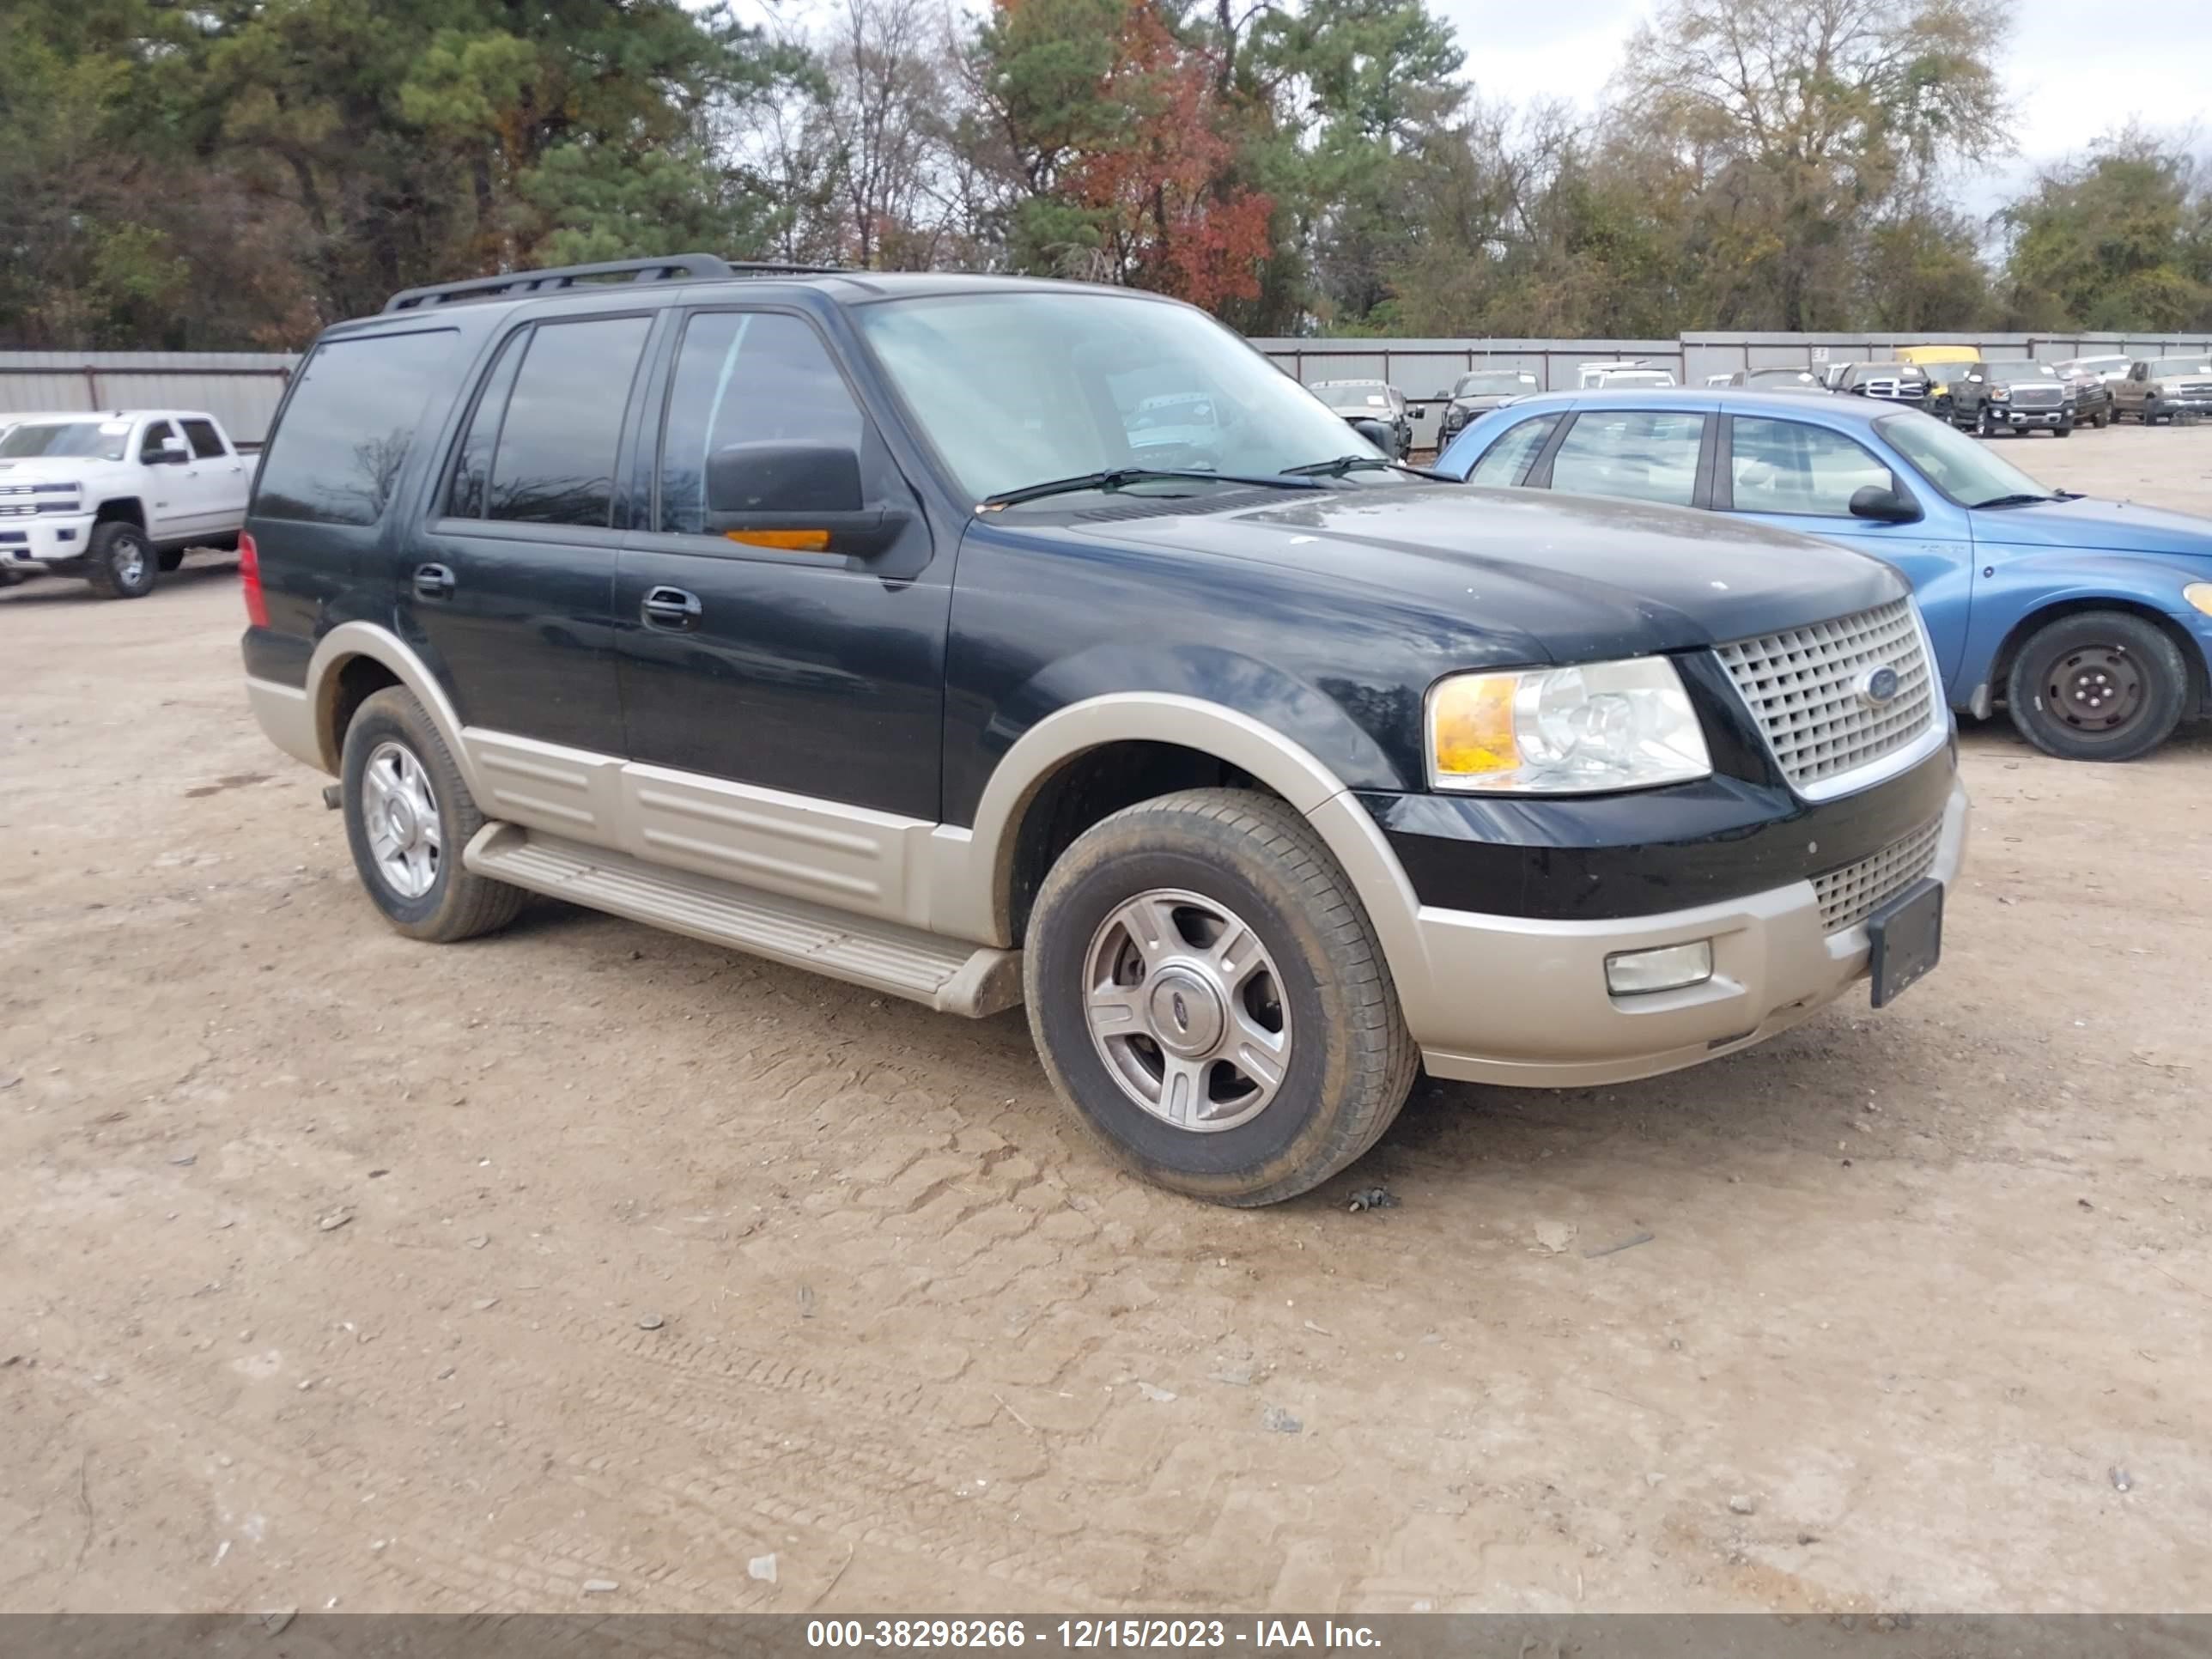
(1906, 937)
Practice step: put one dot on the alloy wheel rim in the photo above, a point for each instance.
(131, 559)
(400, 812)
(1186, 1007)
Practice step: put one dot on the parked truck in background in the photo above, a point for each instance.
(117, 497)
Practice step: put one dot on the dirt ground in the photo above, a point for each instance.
(344, 1271)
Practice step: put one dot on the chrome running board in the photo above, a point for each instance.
(948, 975)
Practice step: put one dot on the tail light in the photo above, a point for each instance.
(249, 581)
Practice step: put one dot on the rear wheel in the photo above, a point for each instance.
(2098, 685)
(120, 562)
(408, 817)
(1206, 993)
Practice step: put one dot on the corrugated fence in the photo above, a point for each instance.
(238, 388)
(242, 388)
(1424, 369)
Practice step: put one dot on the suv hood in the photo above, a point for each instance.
(2100, 527)
(1581, 577)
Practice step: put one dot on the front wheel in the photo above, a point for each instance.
(2065, 431)
(408, 816)
(120, 562)
(2098, 685)
(1206, 993)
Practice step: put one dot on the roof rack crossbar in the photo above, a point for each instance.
(676, 267)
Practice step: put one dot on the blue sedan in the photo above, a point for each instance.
(2089, 621)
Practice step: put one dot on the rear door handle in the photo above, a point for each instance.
(434, 582)
(670, 607)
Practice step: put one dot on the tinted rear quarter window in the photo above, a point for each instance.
(336, 455)
(555, 459)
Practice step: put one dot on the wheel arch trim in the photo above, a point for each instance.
(363, 639)
(973, 874)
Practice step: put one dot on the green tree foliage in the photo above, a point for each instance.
(237, 172)
(2124, 240)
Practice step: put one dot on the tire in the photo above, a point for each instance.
(1222, 857)
(120, 562)
(2068, 664)
(391, 730)
(1982, 428)
(2066, 431)
(173, 559)
(2104, 418)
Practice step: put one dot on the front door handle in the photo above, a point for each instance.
(434, 582)
(670, 607)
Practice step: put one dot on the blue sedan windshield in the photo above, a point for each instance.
(1962, 469)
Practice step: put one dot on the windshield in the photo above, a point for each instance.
(1637, 377)
(1962, 469)
(1770, 376)
(1891, 372)
(101, 441)
(2181, 365)
(2094, 366)
(2021, 371)
(1494, 383)
(1017, 388)
(1347, 397)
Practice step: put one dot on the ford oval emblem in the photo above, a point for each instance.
(1878, 687)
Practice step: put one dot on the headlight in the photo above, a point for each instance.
(2199, 594)
(1565, 731)
(1999, 394)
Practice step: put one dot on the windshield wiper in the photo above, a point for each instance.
(1119, 477)
(2021, 499)
(1344, 464)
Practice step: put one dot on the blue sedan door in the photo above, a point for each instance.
(1801, 476)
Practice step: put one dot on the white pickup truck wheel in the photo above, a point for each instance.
(120, 564)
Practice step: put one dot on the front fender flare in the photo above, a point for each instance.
(973, 876)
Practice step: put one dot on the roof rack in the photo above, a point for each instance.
(677, 267)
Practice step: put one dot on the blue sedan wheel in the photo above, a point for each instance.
(2099, 685)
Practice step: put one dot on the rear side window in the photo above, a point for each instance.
(1509, 457)
(336, 455)
(747, 380)
(1643, 456)
(206, 441)
(554, 462)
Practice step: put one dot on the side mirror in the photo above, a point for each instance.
(172, 452)
(1379, 434)
(1882, 506)
(800, 497)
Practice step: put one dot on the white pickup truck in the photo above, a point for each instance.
(115, 497)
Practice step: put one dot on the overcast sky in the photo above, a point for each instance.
(2073, 67)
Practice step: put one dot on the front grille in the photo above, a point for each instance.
(1802, 685)
(1849, 895)
(1910, 391)
(2038, 397)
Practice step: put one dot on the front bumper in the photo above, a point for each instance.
(2006, 415)
(44, 537)
(2160, 406)
(1523, 1001)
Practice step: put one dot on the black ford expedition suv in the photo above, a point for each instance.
(860, 622)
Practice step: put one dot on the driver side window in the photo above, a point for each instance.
(149, 448)
(1787, 466)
